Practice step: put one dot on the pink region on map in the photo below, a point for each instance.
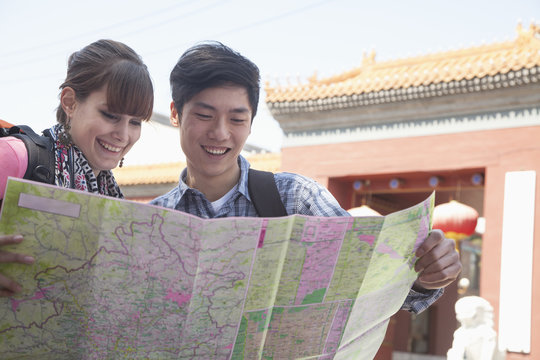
(317, 230)
(385, 249)
(370, 239)
(180, 298)
(325, 238)
(318, 268)
(40, 294)
(338, 325)
(264, 225)
(321, 257)
(424, 226)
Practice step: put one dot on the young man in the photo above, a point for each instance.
(215, 94)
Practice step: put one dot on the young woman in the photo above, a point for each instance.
(107, 94)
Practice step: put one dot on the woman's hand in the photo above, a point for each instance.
(9, 287)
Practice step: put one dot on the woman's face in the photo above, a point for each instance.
(102, 136)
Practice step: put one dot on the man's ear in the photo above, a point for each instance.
(175, 117)
(68, 100)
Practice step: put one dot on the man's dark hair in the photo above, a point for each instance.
(212, 64)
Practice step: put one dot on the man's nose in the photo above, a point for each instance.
(220, 129)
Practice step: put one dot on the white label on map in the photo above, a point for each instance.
(52, 206)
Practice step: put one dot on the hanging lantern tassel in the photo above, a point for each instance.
(455, 219)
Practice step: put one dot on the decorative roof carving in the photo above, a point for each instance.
(416, 74)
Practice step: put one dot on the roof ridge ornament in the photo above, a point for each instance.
(368, 59)
(313, 78)
(526, 36)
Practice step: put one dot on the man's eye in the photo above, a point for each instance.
(203, 116)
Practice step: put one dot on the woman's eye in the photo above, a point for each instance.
(136, 122)
(109, 115)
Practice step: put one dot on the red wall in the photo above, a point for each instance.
(497, 151)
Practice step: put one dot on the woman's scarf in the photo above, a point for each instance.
(73, 171)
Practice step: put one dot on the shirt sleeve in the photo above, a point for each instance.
(304, 196)
(13, 161)
(416, 302)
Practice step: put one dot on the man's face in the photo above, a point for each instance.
(214, 126)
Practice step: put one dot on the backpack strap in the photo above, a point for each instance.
(264, 194)
(40, 149)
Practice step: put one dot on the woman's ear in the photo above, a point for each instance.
(175, 120)
(68, 100)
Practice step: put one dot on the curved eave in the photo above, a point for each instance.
(406, 79)
(464, 86)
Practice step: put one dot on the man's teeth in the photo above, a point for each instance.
(110, 147)
(216, 151)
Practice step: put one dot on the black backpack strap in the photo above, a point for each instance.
(264, 194)
(41, 160)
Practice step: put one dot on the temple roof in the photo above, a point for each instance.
(371, 76)
(149, 174)
(170, 172)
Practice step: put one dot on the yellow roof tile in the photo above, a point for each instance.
(371, 76)
(149, 174)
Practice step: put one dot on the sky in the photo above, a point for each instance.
(288, 40)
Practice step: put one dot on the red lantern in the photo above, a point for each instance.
(455, 219)
(363, 210)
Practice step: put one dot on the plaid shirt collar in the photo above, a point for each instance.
(242, 183)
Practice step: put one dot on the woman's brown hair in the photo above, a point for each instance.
(115, 65)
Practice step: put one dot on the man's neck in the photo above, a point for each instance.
(215, 187)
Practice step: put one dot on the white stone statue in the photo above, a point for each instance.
(475, 339)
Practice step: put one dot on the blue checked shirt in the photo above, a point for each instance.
(300, 195)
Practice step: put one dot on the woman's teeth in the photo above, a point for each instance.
(110, 147)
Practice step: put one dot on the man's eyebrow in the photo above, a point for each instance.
(204, 105)
(239, 110)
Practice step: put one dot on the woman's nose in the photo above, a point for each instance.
(122, 130)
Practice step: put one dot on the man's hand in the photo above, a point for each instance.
(8, 287)
(438, 262)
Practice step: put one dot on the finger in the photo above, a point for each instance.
(438, 258)
(10, 239)
(9, 257)
(8, 286)
(443, 262)
(434, 238)
(433, 280)
(444, 248)
(436, 285)
(6, 293)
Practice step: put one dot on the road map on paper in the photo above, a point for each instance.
(115, 279)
